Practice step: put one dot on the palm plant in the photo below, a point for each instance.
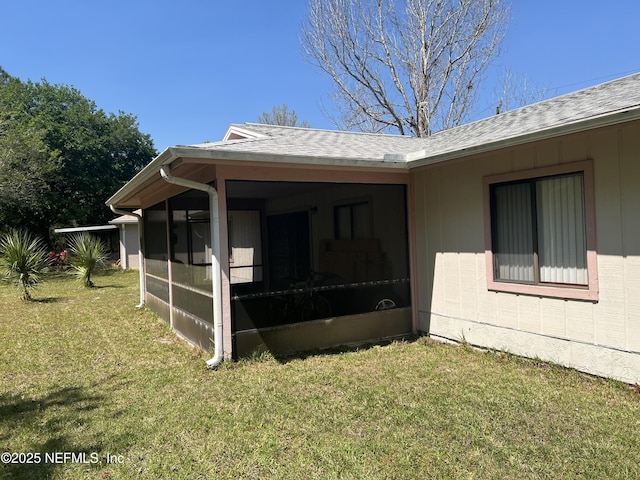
(23, 258)
(87, 254)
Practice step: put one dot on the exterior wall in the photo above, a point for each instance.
(178, 285)
(129, 246)
(601, 337)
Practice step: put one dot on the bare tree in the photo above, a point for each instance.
(281, 115)
(411, 66)
(515, 90)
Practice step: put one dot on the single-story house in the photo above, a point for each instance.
(129, 239)
(518, 232)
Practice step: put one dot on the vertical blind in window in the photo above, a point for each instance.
(539, 231)
(513, 233)
(561, 230)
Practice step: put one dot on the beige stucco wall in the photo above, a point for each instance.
(132, 240)
(600, 337)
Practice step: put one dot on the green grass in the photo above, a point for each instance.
(81, 370)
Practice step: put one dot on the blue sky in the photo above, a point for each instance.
(188, 69)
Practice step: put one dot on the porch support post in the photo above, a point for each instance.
(215, 258)
(413, 264)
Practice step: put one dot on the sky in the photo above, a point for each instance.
(191, 68)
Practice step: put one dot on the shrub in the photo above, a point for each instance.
(87, 254)
(23, 258)
(58, 260)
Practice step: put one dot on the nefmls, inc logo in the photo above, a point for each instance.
(71, 457)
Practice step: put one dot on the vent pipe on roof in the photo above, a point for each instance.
(215, 257)
(140, 251)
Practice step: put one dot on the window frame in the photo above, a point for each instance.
(590, 292)
(231, 237)
(351, 205)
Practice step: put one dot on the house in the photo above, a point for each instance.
(518, 232)
(129, 240)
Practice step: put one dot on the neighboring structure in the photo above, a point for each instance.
(121, 237)
(106, 233)
(519, 232)
(129, 240)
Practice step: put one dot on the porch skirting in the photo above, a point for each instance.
(347, 330)
(196, 331)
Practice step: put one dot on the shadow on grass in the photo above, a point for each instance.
(106, 273)
(47, 300)
(50, 416)
(101, 287)
(59, 426)
(338, 350)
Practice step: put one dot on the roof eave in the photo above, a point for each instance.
(279, 158)
(171, 154)
(421, 158)
(148, 172)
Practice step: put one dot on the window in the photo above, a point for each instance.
(541, 232)
(192, 237)
(245, 246)
(352, 221)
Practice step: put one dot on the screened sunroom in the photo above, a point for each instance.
(257, 243)
(301, 256)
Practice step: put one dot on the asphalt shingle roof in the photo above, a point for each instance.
(600, 100)
(308, 142)
(556, 113)
(609, 103)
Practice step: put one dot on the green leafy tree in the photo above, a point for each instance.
(23, 259)
(87, 254)
(61, 156)
(26, 162)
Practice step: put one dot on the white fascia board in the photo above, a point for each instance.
(242, 132)
(124, 220)
(85, 229)
(317, 160)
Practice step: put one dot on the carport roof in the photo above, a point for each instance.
(606, 104)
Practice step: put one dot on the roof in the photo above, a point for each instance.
(126, 219)
(605, 104)
(85, 229)
(609, 103)
(309, 143)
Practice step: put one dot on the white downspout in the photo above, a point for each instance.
(140, 252)
(216, 277)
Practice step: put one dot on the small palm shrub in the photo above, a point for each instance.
(23, 259)
(87, 254)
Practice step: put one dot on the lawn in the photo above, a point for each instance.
(90, 387)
